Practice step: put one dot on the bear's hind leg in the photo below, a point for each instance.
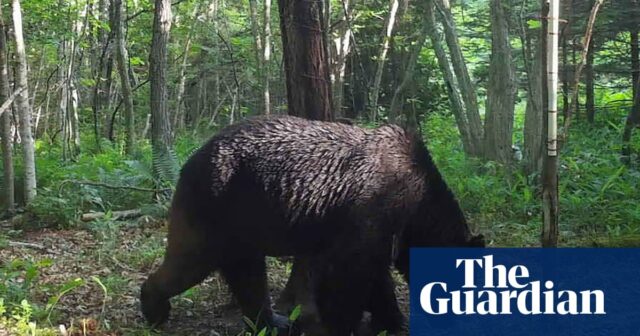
(341, 288)
(176, 274)
(383, 305)
(247, 279)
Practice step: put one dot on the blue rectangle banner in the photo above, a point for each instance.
(525, 291)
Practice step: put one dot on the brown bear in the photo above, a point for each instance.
(334, 194)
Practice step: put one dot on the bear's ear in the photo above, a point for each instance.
(476, 241)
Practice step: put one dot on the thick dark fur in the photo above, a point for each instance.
(331, 193)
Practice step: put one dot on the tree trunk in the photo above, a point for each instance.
(468, 142)
(501, 91)
(266, 58)
(397, 101)
(549, 235)
(258, 48)
(180, 99)
(573, 107)
(22, 105)
(341, 47)
(635, 60)
(589, 88)
(467, 89)
(122, 60)
(5, 122)
(305, 59)
(382, 58)
(99, 76)
(566, 35)
(165, 165)
(633, 119)
(533, 118)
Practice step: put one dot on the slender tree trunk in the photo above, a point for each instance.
(257, 36)
(180, 99)
(583, 58)
(397, 101)
(533, 119)
(467, 89)
(633, 119)
(100, 66)
(266, 58)
(457, 105)
(5, 122)
(382, 58)
(125, 83)
(635, 61)
(22, 105)
(258, 49)
(550, 166)
(590, 105)
(164, 161)
(501, 91)
(567, 9)
(341, 47)
(305, 59)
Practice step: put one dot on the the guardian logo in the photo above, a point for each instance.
(506, 291)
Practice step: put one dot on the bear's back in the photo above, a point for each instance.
(310, 166)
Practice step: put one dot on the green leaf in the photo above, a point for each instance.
(295, 313)
(534, 24)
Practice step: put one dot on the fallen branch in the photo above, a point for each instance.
(29, 245)
(133, 213)
(110, 186)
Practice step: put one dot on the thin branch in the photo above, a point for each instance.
(233, 67)
(140, 12)
(7, 103)
(113, 115)
(109, 186)
(583, 58)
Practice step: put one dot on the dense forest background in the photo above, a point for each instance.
(102, 100)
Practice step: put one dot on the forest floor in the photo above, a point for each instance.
(89, 279)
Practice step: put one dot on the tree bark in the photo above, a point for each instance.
(633, 118)
(565, 36)
(549, 236)
(164, 162)
(122, 60)
(590, 105)
(469, 144)
(341, 47)
(398, 96)
(178, 116)
(467, 89)
(533, 118)
(498, 131)
(382, 58)
(266, 58)
(305, 59)
(583, 58)
(258, 49)
(22, 105)
(5, 122)
(635, 60)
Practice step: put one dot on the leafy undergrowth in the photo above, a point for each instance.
(599, 195)
(95, 273)
(86, 282)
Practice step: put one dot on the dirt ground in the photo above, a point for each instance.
(103, 267)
